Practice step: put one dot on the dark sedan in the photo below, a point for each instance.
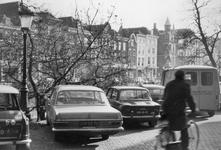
(135, 104)
(156, 92)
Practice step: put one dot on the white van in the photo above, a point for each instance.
(204, 82)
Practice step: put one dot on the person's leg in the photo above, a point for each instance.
(184, 139)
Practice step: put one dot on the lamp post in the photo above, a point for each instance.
(26, 17)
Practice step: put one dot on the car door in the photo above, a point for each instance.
(209, 90)
(192, 77)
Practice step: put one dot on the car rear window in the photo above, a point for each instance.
(134, 95)
(81, 97)
(157, 91)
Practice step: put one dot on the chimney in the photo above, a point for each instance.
(154, 26)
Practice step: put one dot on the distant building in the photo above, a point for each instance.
(142, 53)
(166, 49)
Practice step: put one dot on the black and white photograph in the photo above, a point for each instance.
(110, 74)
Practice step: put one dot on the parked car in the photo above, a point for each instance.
(14, 125)
(135, 104)
(156, 92)
(81, 110)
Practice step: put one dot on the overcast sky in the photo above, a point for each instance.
(130, 13)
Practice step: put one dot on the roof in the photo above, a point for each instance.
(128, 87)
(70, 21)
(77, 87)
(153, 86)
(193, 67)
(8, 89)
(126, 32)
(167, 22)
(100, 29)
(11, 11)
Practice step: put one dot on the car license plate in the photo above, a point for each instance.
(88, 123)
(142, 112)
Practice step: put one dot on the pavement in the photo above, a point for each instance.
(134, 138)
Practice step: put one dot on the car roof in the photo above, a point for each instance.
(8, 89)
(192, 67)
(153, 86)
(77, 87)
(128, 87)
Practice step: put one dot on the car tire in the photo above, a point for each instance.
(105, 137)
(23, 146)
(152, 123)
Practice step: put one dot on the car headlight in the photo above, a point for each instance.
(13, 122)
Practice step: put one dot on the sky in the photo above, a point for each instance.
(128, 13)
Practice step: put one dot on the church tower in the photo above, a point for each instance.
(167, 26)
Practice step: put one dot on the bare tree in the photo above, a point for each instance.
(59, 52)
(208, 40)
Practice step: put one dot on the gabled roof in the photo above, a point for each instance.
(99, 29)
(11, 11)
(126, 32)
(70, 21)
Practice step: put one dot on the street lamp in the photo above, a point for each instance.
(26, 17)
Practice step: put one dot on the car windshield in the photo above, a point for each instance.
(134, 95)
(81, 97)
(8, 101)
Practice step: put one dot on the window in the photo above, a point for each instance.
(124, 46)
(138, 61)
(119, 45)
(153, 60)
(148, 60)
(153, 50)
(132, 42)
(207, 78)
(191, 78)
(134, 95)
(115, 46)
(109, 93)
(149, 50)
(142, 62)
(114, 94)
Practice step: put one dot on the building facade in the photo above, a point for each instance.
(142, 53)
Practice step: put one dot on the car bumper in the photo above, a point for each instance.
(90, 129)
(147, 118)
(15, 142)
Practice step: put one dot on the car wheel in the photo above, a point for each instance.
(23, 146)
(152, 123)
(105, 137)
(211, 113)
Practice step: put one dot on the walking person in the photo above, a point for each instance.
(176, 95)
